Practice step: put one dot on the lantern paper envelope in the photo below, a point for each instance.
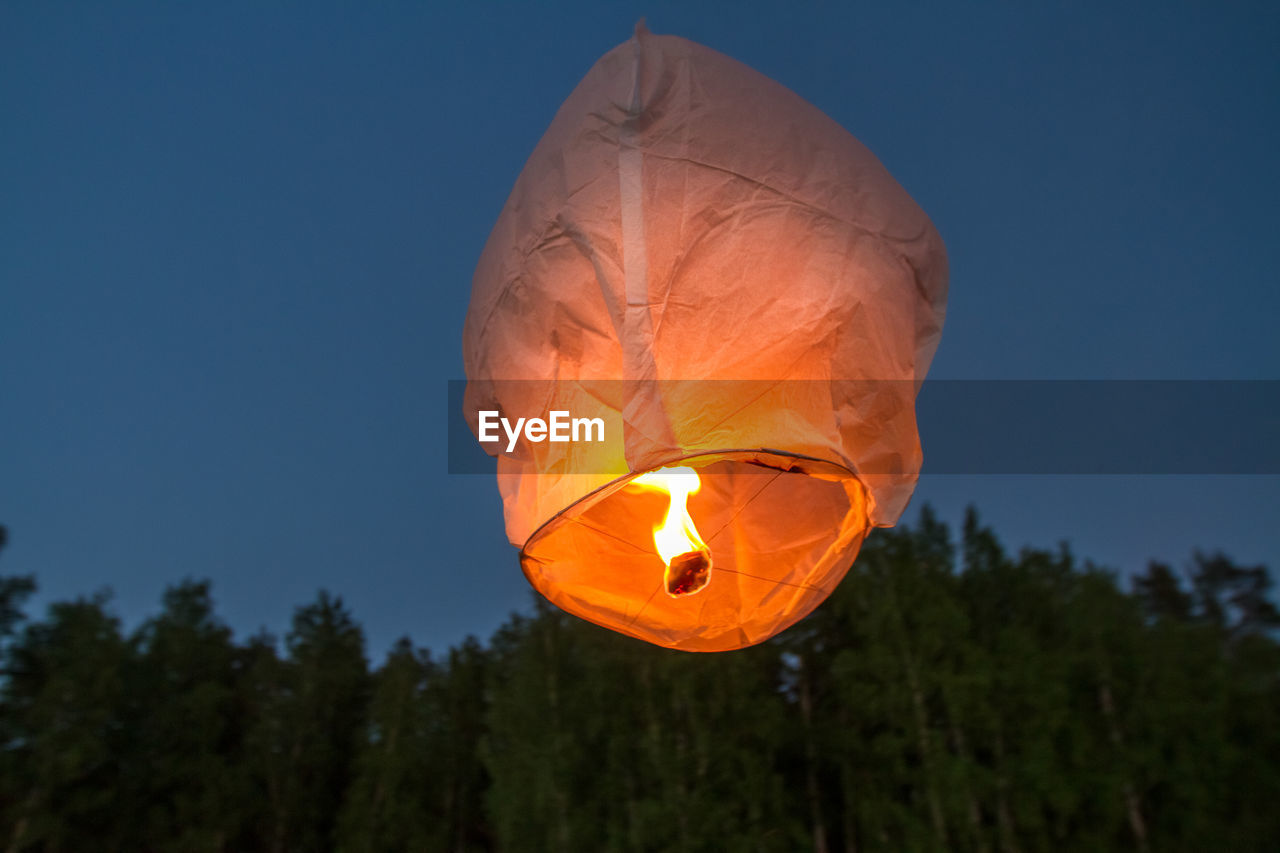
(738, 288)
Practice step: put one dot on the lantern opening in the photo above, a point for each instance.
(783, 529)
(676, 539)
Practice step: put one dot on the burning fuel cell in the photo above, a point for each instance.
(688, 573)
(676, 539)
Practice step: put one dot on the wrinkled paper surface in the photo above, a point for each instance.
(686, 218)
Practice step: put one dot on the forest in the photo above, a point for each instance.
(949, 695)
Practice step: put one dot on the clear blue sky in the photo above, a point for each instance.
(236, 245)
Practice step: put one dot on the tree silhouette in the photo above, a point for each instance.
(948, 695)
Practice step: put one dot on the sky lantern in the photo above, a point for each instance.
(737, 304)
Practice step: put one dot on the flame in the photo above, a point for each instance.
(676, 539)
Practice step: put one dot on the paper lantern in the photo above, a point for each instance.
(748, 301)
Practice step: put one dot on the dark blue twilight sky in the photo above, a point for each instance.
(236, 247)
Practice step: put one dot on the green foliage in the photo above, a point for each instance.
(65, 710)
(948, 696)
(310, 718)
(182, 690)
(394, 801)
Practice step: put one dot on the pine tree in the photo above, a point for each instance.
(1160, 593)
(14, 591)
(67, 731)
(181, 773)
(311, 716)
(396, 797)
(531, 737)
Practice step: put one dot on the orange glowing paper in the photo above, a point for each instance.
(766, 300)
